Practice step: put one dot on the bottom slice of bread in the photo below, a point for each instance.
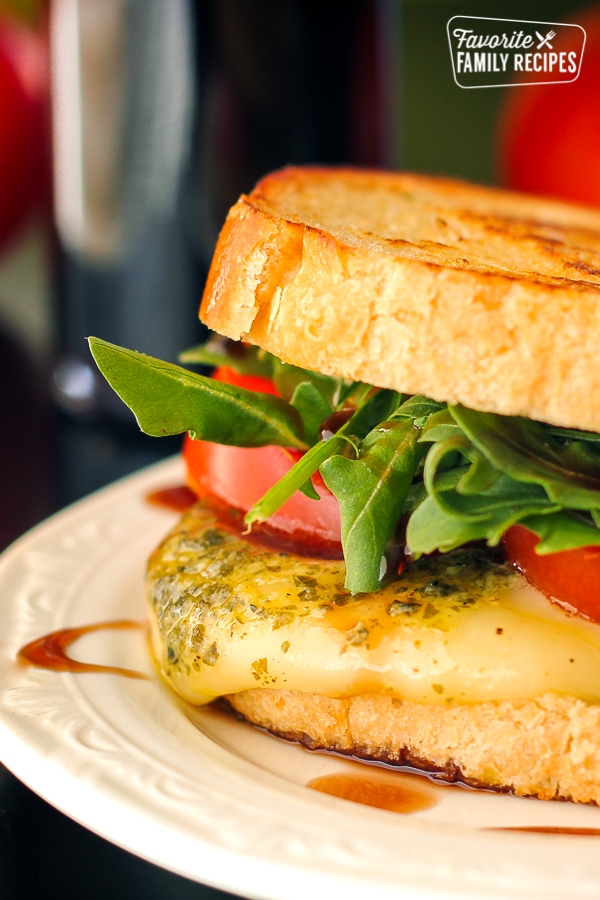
(546, 747)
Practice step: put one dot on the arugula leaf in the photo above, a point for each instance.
(479, 476)
(352, 393)
(167, 399)
(309, 490)
(562, 531)
(312, 407)
(573, 434)
(511, 482)
(371, 491)
(506, 500)
(287, 378)
(526, 451)
(376, 407)
(446, 519)
(481, 505)
(420, 409)
(443, 481)
(432, 528)
(440, 426)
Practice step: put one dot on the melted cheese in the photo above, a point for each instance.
(228, 616)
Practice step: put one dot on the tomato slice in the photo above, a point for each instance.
(251, 382)
(240, 476)
(570, 578)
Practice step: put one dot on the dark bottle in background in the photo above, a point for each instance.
(285, 83)
(164, 111)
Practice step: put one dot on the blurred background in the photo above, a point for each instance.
(127, 129)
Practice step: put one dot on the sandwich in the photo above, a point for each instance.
(395, 553)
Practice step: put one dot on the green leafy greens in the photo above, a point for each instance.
(402, 468)
(371, 491)
(167, 399)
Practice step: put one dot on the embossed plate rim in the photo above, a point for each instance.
(101, 749)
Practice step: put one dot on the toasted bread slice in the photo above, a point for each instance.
(547, 747)
(464, 293)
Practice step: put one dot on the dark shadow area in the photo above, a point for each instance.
(46, 854)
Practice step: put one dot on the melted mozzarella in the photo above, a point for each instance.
(228, 616)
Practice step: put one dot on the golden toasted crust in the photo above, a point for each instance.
(547, 747)
(464, 293)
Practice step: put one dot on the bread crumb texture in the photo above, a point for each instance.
(464, 293)
(548, 747)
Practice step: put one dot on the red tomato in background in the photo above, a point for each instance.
(549, 134)
(570, 578)
(24, 151)
(239, 476)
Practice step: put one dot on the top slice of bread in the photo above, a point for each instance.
(427, 285)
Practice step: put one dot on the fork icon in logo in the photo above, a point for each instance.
(545, 41)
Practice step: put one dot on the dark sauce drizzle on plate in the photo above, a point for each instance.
(549, 829)
(178, 498)
(51, 651)
(398, 793)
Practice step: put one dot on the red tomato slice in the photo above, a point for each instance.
(570, 578)
(239, 476)
(250, 382)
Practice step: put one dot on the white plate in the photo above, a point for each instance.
(206, 796)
